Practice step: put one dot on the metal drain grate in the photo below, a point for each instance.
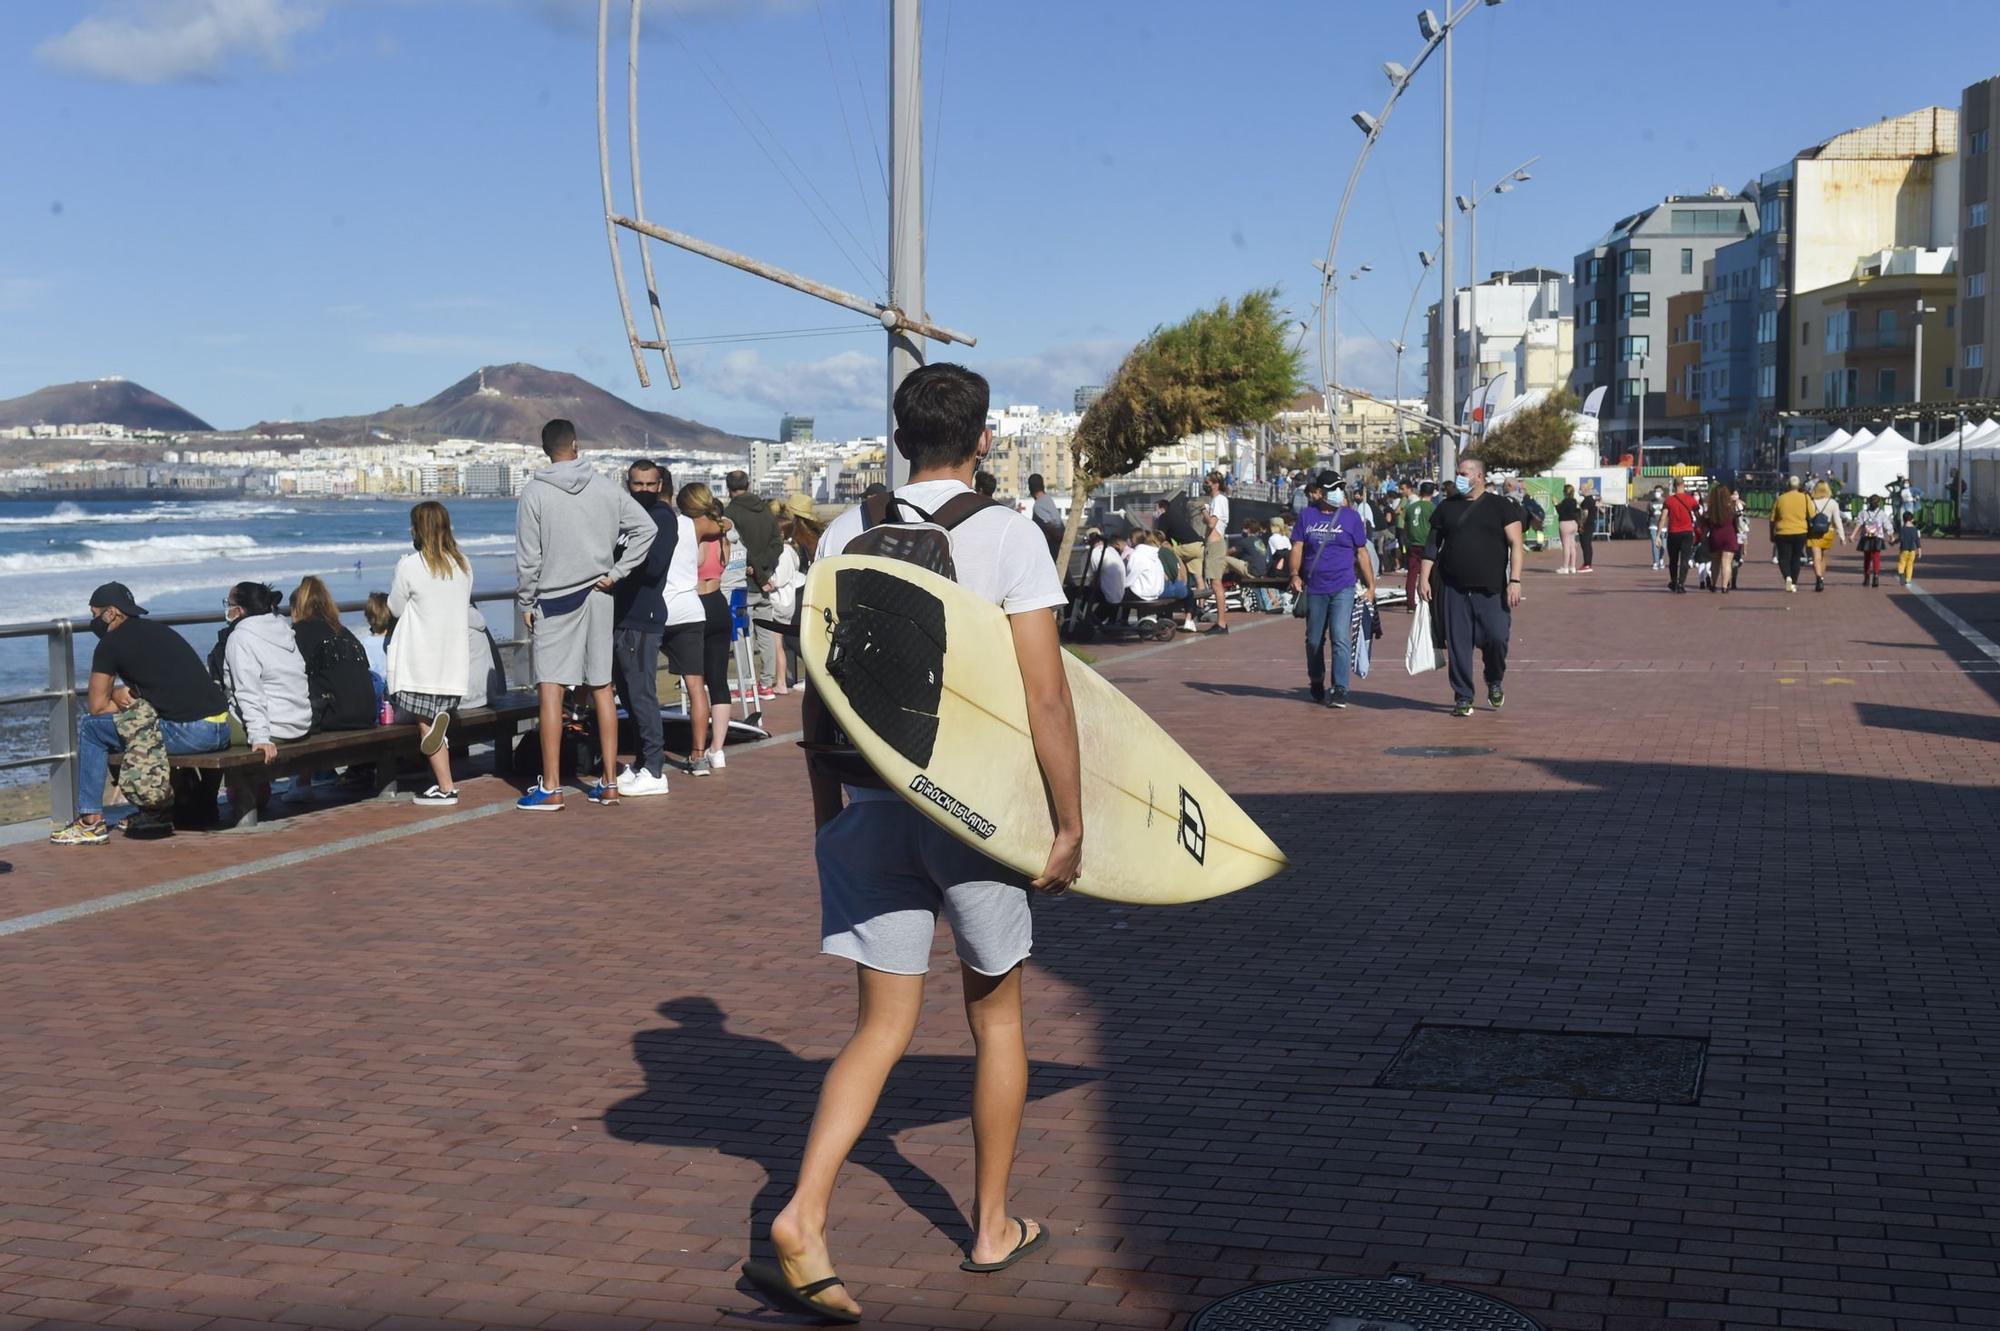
(1396, 1304)
(1653, 1069)
(1435, 751)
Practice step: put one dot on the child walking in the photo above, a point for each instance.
(1909, 547)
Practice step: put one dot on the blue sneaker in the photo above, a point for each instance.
(601, 792)
(538, 800)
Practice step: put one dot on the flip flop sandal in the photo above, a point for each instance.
(1021, 1249)
(770, 1281)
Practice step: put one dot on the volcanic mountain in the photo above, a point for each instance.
(510, 404)
(100, 401)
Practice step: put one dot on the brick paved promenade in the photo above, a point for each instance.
(550, 1072)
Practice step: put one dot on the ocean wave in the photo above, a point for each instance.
(67, 514)
(155, 551)
(176, 588)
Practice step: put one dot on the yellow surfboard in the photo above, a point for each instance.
(921, 675)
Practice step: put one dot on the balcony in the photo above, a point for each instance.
(1870, 340)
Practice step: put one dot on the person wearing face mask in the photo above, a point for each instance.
(1477, 551)
(264, 673)
(1329, 555)
(429, 666)
(137, 662)
(640, 606)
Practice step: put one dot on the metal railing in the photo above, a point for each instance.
(62, 693)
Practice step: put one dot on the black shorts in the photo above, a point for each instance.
(683, 645)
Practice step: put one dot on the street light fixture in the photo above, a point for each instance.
(1436, 33)
(1917, 388)
(1330, 292)
(1402, 340)
(1469, 205)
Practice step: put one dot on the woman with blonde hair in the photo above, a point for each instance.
(708, 697)
(431, 598)
(1824, 526)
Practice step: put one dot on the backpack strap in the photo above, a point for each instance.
(875, 510)
(958, 508)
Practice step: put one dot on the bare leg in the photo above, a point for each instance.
(550, 696)
(1724, 562)
(889, 1005)
(999, 1095)
(605, 703)
(695, 690)
(440, 762)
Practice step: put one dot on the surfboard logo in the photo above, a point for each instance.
(1194, 828)
(925, 788)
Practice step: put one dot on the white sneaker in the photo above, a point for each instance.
(1791, 586)
(641, 782)
(717, 760)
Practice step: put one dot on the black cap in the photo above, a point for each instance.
(876, 489)
(1325, 480)
(117, 596)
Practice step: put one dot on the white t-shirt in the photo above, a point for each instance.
(1218, 504)
(1111, 576)
(1000, 556)
(1280, 546)
(683, 575)
(1145, 575)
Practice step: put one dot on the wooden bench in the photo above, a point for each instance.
(243, 771)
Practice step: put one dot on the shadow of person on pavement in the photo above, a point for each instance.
(711, 1088)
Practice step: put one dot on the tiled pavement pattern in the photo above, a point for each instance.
(552, 1071)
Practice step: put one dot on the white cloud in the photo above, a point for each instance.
(1050, 378)
(848, 381)
(1369, 363)
(166, 41)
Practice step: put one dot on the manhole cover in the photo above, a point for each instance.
(1655, 1069)
(1435, 751)
(1396, 1304)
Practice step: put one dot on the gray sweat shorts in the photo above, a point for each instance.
(885, 873)
(575, 648)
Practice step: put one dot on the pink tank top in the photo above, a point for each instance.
(711, 560)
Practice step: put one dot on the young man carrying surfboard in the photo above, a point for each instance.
(886, 871)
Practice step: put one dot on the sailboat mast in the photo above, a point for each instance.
(906, 204)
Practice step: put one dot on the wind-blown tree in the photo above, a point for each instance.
(1221, 367)
(1533, 439)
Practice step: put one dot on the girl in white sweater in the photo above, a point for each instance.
(431, 598)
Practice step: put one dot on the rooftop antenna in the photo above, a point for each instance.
(901, 311)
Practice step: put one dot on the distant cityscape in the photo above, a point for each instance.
(1732, 326)
(1027, 440)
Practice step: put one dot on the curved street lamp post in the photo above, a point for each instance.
(1436, 34)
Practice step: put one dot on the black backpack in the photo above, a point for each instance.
(897, 690)
(343, 692)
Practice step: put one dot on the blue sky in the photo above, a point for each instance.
(296, 208)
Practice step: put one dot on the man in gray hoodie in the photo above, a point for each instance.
(576, 534)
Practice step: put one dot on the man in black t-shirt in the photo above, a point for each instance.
(138, 661)
(1476, 554)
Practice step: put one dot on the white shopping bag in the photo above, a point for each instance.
(1420, 656)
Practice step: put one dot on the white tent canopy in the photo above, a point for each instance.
(1799, 457)
(1866, 467)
